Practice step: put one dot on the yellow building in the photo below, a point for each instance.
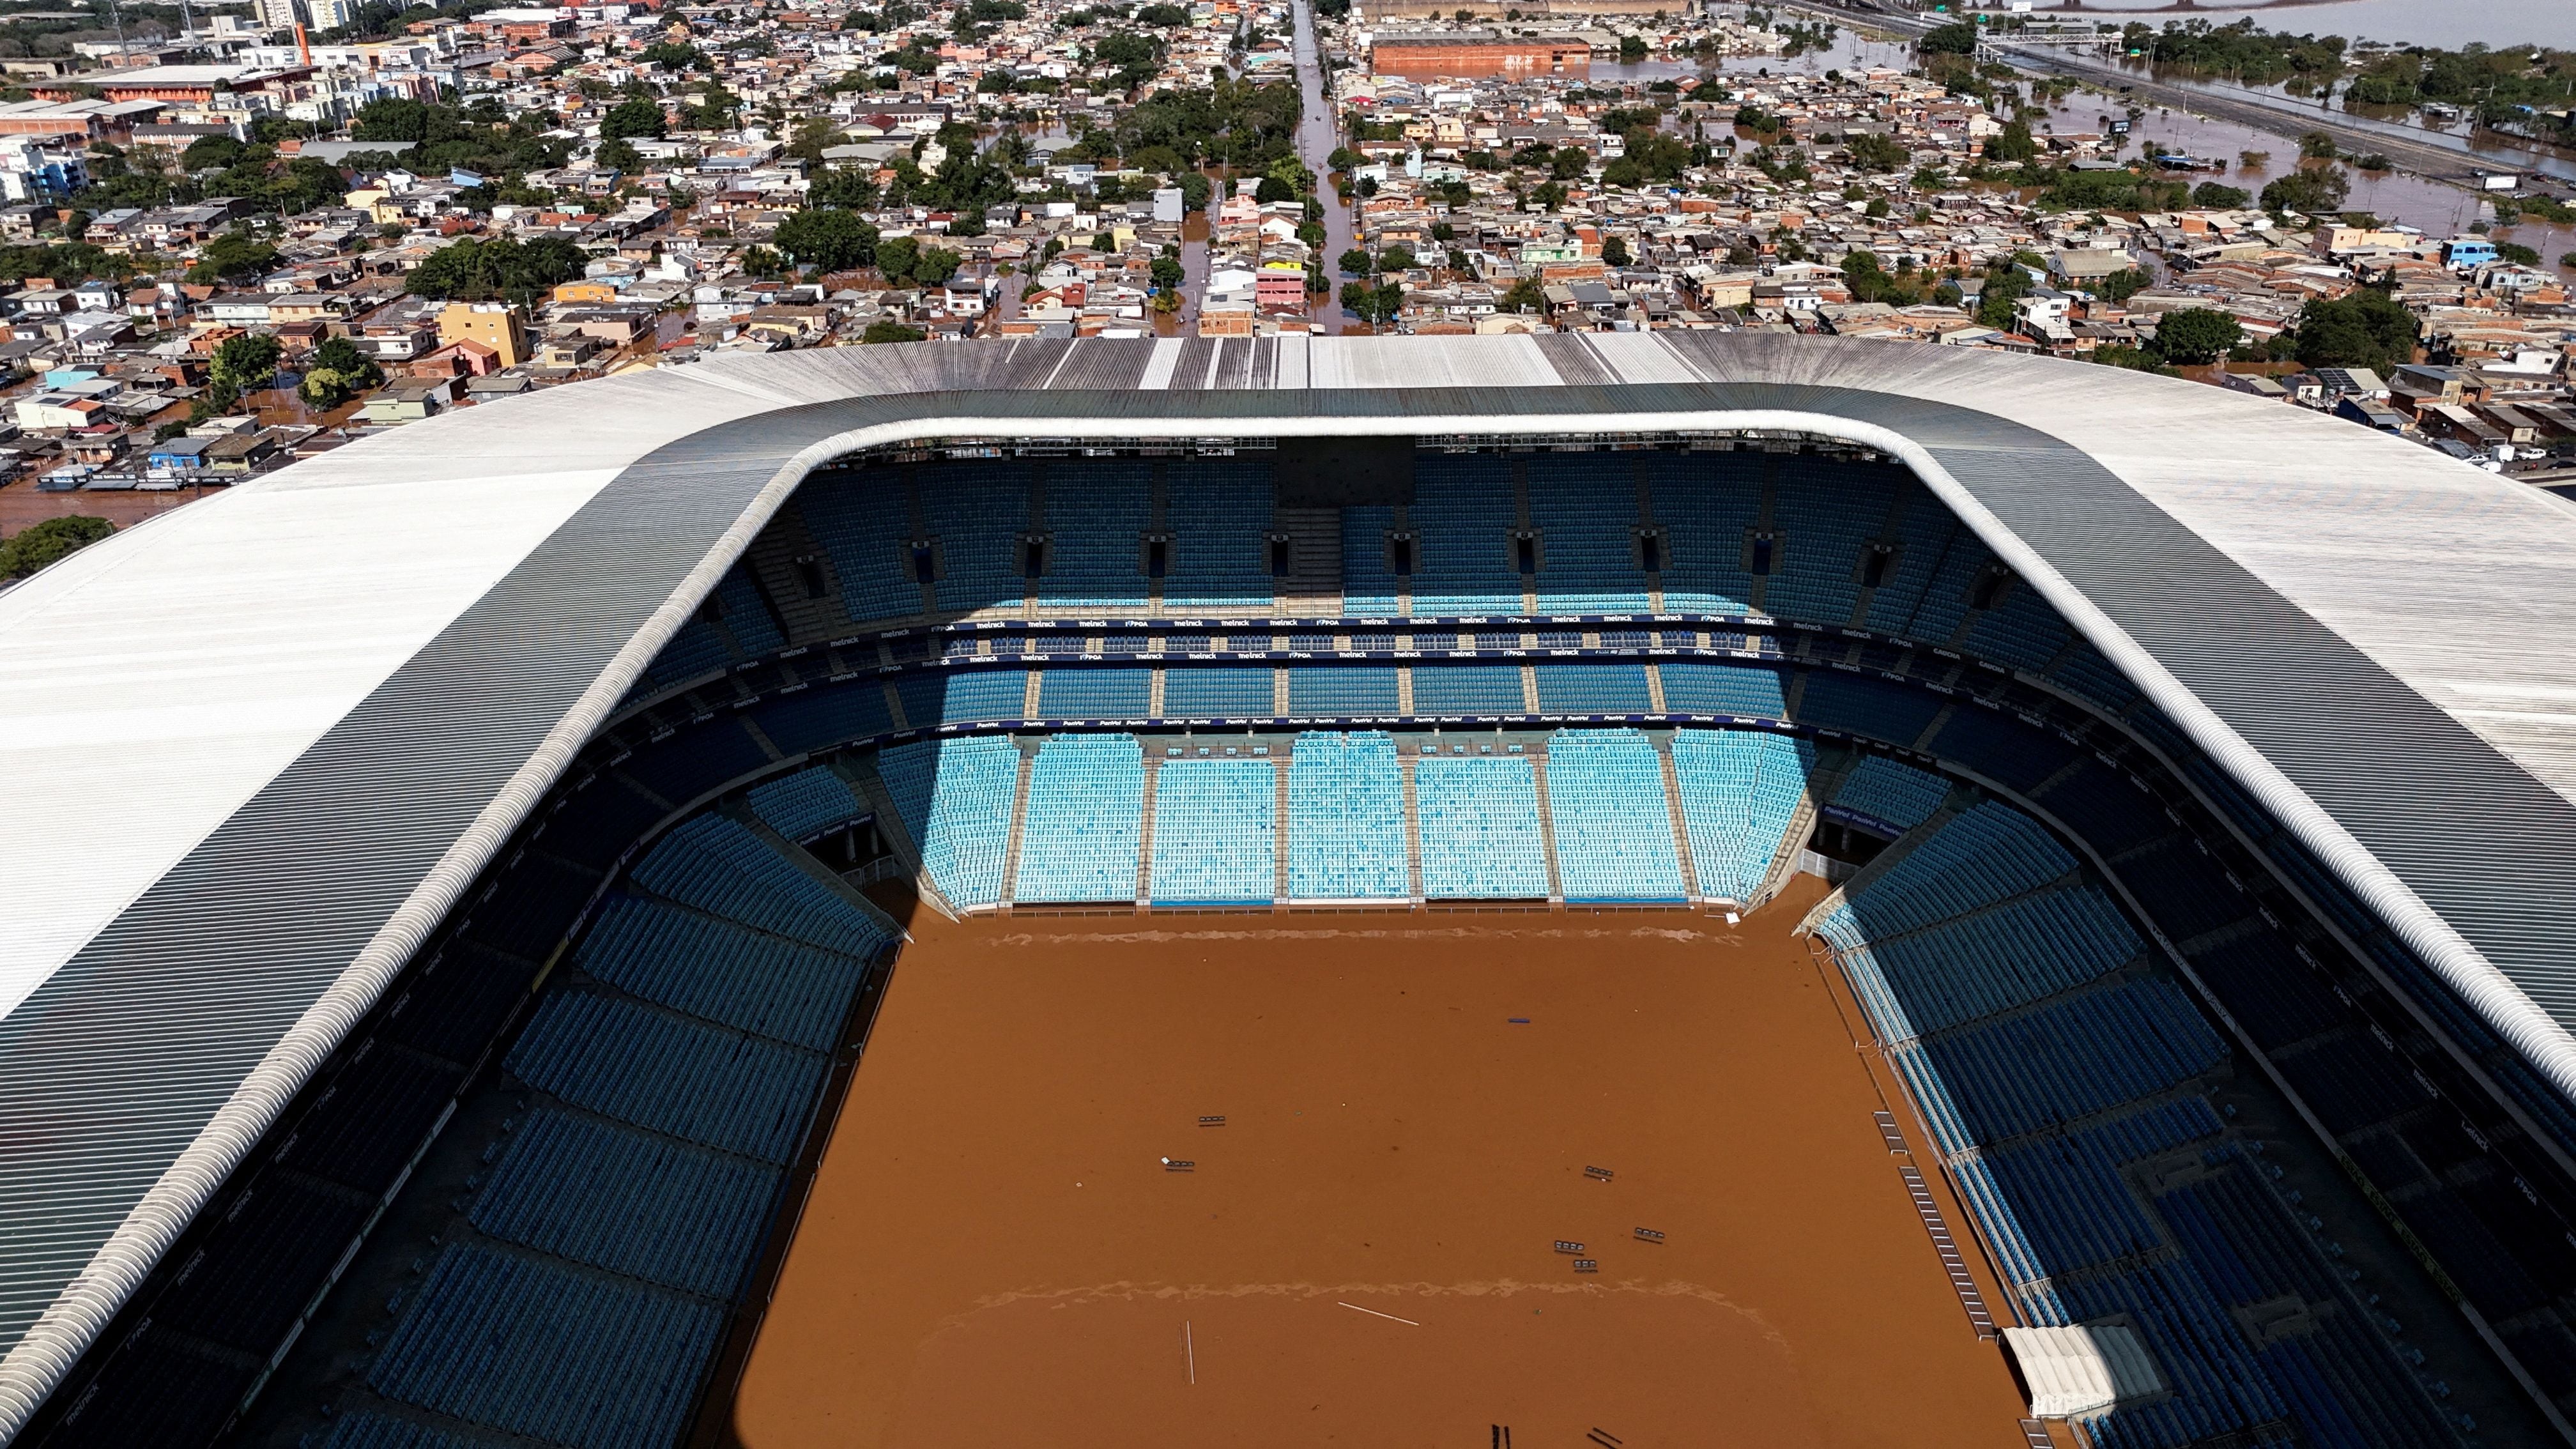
(496, 325)
(584, 292)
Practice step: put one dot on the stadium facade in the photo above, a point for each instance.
(2296, 695)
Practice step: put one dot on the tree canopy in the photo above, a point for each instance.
(39, 544)
(831, 241)
(232, 257)
(244, 362)
(633, 116)
(2367, 329)
(473, 270)
(2197, 335)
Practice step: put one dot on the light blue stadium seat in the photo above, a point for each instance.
(955, 798)
(1478, 816)
(1215, 832)
(1346, 819)
(1085, 817)
(1739, 791)
(1614, 833)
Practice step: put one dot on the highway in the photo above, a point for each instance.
(2426, 154)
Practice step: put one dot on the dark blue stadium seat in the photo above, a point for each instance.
(373, 1117)
(550, 1352)
(2101, 805)
(1218, 692)
(256, 1271)
(1467, 689)
(665, 1072)
(628, 1202)
(825, 715)
(1603, 688)
(1871, 707)
(696, 761)
(2000, 747)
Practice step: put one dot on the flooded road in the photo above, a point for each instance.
(2436, 209)
(1318, 133)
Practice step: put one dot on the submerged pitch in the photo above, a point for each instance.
(1379, 1243)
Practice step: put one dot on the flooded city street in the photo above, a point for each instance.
(1318, 133)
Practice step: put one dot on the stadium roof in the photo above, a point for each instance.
(253, 751)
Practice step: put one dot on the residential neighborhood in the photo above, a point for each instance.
(234, 241)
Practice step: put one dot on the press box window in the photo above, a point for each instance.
(810, 578)
(1874, 565)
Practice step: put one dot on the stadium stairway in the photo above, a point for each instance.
(1547, 833)
(596, 1250)
(2069, 1098)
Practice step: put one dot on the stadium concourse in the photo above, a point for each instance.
(457, 943)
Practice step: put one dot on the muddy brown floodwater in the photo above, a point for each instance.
(994, 1252)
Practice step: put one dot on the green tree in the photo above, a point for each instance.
(473, 270)
(1614, 252)
(1167, 274)
(1525, 295)
(245, 362)
(2367, 329)
(232, 257)
(634, 116)
(2136, 359)
(937, 264)
(1877, 153)
(2518, 254)
(2315, 192)
(1371, 303)
(843, 186)
(50, 541)
(1355, 263)
(2015, 145)
(895, 258)
(1632, 49)
(2120, 286)
(888, 330)
(2197, 335)
(1396, 259)
(336, 372)
(1959, 37)
(210, 153)
(830, 241)
(2212, 196)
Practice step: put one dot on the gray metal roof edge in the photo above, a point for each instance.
(36, 1364)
